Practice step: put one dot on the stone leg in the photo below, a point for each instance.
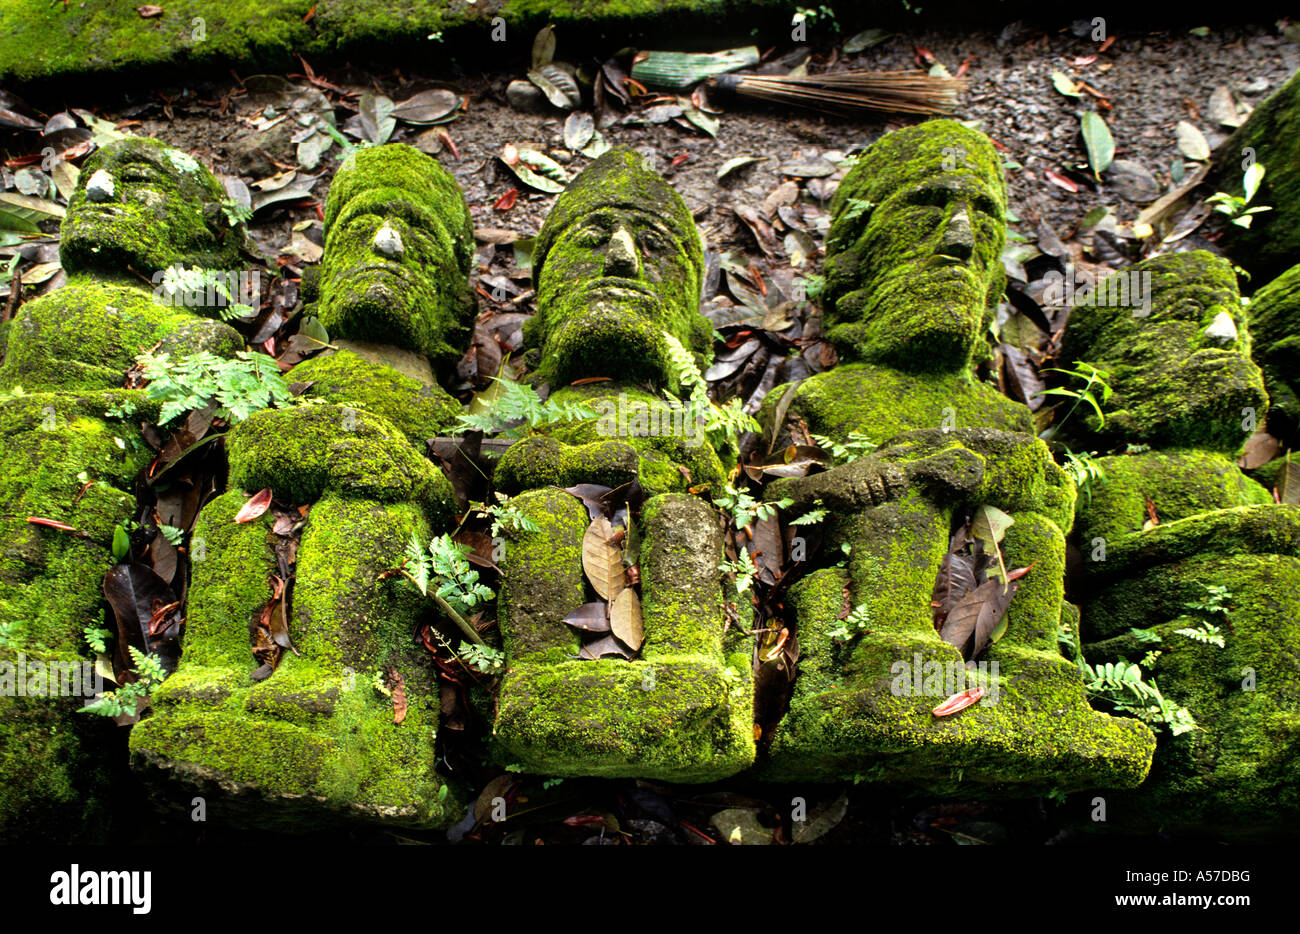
(681, 712)
(316, 739)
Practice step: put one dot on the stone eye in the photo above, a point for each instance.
(138, 173)
(652, 242)
(591, 236)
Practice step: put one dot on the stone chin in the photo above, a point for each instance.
(609, 334)
(109, 239)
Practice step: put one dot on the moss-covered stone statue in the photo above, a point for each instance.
(139, 207)
(316, 740)
(1183, 552)
(912, 265)
(1270, 136)
(618, 267)
(1275, 338)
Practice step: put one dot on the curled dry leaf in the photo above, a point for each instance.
(959, 701)
(590, 617)
(602, 560)
(625, 619)
(398, 686)
(256, 505)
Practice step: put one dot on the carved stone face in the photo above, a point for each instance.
(1179, 367)
(144, 205)
(915, 248)
(618, 265)
(397, 249)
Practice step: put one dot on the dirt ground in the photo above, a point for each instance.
(1145, 84)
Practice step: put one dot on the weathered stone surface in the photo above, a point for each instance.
(315, 741)
(1234, 774)
(913, 266)
(618, 266)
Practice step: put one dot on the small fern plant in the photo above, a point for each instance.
(1121, 685)
(126, 699)
(239, 387)
(517, 411)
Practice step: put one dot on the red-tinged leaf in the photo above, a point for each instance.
(398, 686)
(149, 10)
(923, 55)
(771, 654)
(1083, 60)
(506, 201)
(584, 820)
(591, 379)
(1062, 181)
(678, 160)
(51, 524)
(1109, 41)
(962, 68)
(590, 617)
(959, 701)
(257, 505)
(451, 144)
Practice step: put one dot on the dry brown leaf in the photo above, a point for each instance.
(602, 559)
(625, 619)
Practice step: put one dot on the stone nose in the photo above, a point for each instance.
(958, 237)
(100, 188)
(388, 242)
(621, 258)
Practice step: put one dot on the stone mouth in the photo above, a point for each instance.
(370, 271)
(617, 287)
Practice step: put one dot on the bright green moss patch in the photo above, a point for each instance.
(881, 402)
(398, 245)
(87, 334)
(303, 451)
(1173, 386)
(420, 411)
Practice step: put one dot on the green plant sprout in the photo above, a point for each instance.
(458, 589)
(126, 699)
(1235, 206)
(1090, 376)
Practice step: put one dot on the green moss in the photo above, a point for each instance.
(1272, 134)
(419, 410)
(1275, 329)
(1179, 484)
(1235, 776)
(87, 334)
(165, 210)
(315, 738)
(582, 328)
(419, 298)
(54, 763)
(635, 434)
(851, 715)
(303, 451)
(886, 299)
(681, 712)
(881, 402)
(50, 579)
(1173, 387)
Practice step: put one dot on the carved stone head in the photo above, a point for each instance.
(914, 251)
(617, 263)
(144, 205)
(1175, 345)
(398, 247)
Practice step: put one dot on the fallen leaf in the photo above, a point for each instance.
(1098, 141)
(398, 686)
(625, 619)
(602, 560)
(255, 506)
(149, 10)
(590, 617)
(1192, 143)
(959, 701)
